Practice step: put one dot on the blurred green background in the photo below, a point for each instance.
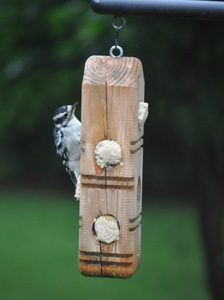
(43, 48)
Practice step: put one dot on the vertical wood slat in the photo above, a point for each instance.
(111, 91)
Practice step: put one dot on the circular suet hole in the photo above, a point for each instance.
(106, 229)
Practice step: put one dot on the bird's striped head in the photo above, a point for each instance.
(64, 114)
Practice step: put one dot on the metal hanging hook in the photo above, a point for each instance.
(118, 23)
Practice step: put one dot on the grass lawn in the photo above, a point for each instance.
(38, 254)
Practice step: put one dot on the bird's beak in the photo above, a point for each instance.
(74, 106)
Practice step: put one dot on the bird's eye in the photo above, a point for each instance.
(64, 116)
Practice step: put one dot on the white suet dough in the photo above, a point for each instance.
(142, 114)
(108, 154)
(106, 229)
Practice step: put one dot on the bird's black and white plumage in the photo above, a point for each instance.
(67, 138)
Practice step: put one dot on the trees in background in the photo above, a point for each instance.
(44, 46)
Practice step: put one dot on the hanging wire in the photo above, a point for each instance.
(118, 23)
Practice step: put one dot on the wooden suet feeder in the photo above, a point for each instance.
(113, 115)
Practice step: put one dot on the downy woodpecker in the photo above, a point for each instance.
(67, 138)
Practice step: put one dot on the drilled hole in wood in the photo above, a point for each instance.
(108, 154)
(106, 229)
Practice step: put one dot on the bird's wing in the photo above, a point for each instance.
(58, 136)
(62, 152)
